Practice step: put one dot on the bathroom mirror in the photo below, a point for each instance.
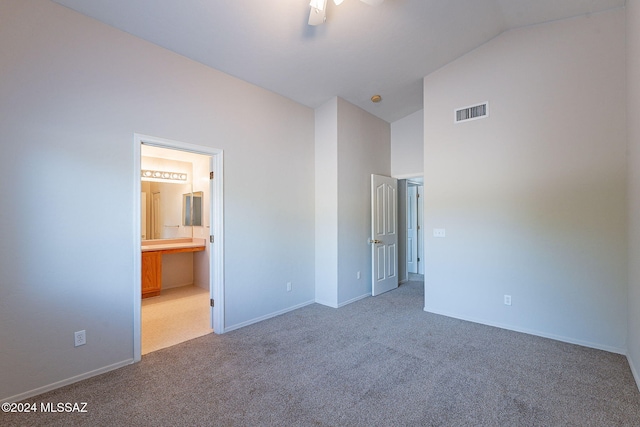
(173, 206)
(162, 210)
(192, 209)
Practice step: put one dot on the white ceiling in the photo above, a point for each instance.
(360, 51)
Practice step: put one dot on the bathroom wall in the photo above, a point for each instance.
(184, 268)
(171, 194)
(177, 269)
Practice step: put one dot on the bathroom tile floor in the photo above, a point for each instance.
(174, 316)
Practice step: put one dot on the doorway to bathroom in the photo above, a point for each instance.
(179, 289)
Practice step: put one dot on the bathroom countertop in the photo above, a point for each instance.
(166, 245)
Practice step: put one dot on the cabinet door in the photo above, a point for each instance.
(151, 274)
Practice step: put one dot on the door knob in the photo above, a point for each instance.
(375, 241)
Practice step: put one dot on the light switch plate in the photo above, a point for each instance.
(439, 232)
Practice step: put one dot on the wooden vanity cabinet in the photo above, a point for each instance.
(152, 252)
(151, 274)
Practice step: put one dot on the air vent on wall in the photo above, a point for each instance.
(474, 112)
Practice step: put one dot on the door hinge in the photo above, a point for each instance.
(211, 239)
(211, 301)
(210, 175)
(418, 259)
(418, 195)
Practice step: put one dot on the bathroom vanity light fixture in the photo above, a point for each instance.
(172, 176)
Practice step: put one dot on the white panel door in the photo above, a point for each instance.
(384, 234)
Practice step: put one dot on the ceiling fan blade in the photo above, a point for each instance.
(372, 2)
(318, 13)
(318, 4)
(317, 17)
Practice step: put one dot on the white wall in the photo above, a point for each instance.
(72, 94)
(633, 134)
(533, 198)
(363, 149)
(326, 203)
(350, 145)
(407, 146)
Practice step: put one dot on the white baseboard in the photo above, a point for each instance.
(327, 303)
(634, 371)
(265, 317)
(363, 296)
(342, 304)
(295, 307)
(533, 332)
(62, 383)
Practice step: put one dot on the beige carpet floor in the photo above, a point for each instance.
(379, 362)
(176, 315)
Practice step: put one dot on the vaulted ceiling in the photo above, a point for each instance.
(360, 51)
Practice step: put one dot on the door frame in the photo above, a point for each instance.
(411, 221)
(420, 219)
(418, 183)
(414, 179)
(216, 260)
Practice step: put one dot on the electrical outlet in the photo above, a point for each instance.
(358, 275)
(80, 338)
(288, 286)
(507, 300)
(439, 232)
